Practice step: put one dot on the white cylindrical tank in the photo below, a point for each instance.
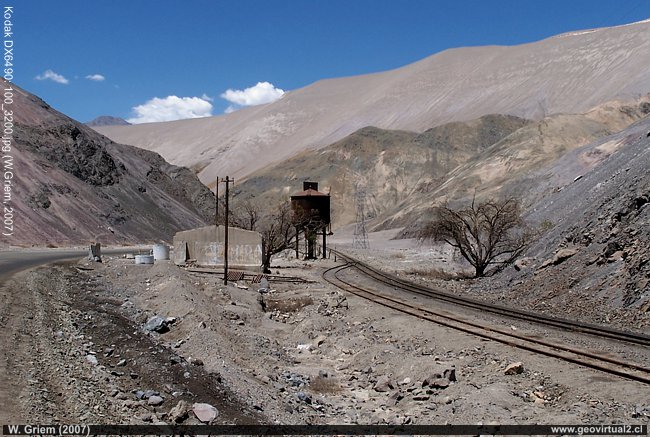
(144, 259)
(160, 251)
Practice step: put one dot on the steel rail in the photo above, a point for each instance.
(588, 328)
(505, 337)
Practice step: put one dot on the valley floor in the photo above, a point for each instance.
(75, 350)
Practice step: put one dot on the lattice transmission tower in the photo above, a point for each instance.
(360, 233)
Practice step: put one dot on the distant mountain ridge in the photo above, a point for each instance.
(569, 73)
(74, 186)
(108, 120)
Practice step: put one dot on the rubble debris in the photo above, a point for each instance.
(383, 384)
(560, 256)
(180, 412)
(158, 324)
(514, 368)
(206, 413)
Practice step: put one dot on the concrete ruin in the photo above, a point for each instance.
(206, 246)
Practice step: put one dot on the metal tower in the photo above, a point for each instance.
(360, 233)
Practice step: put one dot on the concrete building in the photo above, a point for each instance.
(206, 246)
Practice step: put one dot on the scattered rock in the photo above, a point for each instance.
(157, 324)
(147, 417)
(440, 380)
(560, 256)
(148, 393)
(439, 383)
(304, 397)
(450, 374)
(206, 413)
(616, 256)
(195, 361)
(522, 263)
(264, 286)
(92, 359)
(514, 368)
(155, 400)
(180, 412)
(383, 384)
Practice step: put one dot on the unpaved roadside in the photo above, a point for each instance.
(72, 355)
(303, 353)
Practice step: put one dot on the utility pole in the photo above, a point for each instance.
(228, 181)
(216, 203)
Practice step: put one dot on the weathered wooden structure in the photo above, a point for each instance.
(311, 216)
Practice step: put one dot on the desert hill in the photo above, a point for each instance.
(107, 120)
(73, 185)
(599, 217)
(569, 73)
(405, 173)
(389, 165)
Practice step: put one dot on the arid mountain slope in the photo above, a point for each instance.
(73, 185)
(107, 120)
(404, 173)
(569, 73)
(389, 165)
(603, 219)
(521, 164)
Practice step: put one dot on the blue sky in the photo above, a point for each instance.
(147, 51)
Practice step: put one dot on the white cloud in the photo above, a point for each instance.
(171, 108)
(55, 77)
(263, 92)
(96, 77)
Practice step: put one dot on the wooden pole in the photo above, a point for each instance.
(225, 239)
(216, 204)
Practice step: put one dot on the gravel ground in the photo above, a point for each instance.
(303, 353)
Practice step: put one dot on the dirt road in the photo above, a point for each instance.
(70, 355)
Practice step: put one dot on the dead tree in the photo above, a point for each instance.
(488, 233)
(277, 233)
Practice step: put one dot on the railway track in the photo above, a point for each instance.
(569, 325)
(601, 362)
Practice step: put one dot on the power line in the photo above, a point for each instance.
(360, 240)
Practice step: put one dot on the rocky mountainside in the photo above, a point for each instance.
(404, 174)
(523, 165)
(389, 165)
(72, 185)
(569, 73)
(108, 120)
(596, 232)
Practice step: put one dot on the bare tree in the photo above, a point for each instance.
(247, 215)
(274, 224)
(489, 233)
(277, 232)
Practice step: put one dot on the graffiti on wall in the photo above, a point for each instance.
(212, 253)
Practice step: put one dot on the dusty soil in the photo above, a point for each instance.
(303, 353)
